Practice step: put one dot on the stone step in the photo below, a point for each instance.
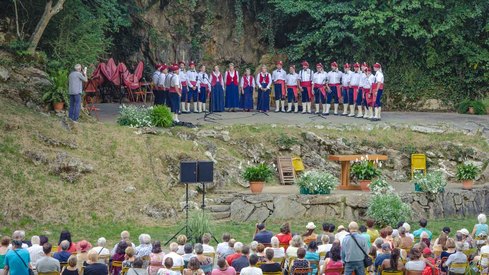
(221, 215)
(219, 208)
(224, 200)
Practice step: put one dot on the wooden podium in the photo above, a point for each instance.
(345, 168)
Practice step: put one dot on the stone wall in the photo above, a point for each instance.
(262, 207)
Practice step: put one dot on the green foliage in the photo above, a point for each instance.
(161, 116)
(315, 182)
(478, 106)
(260, 172)
(380, 186)
(432, 183)
(135, 116)
(286, 142)
(18, 45)
(199, 223)
(388, 209)
(467, 171)
(59, 91)
(365, 170)
(238, 12)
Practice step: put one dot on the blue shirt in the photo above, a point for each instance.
(240, 263)
(15, 264)
(312, 256)
(350, 251)
(480, 228)
(62, 256)
(263, 237)
(417, 233)
(380, 259)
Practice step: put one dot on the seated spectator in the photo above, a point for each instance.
(325, 245)
(464, 237)
(364, 234)
(66, 235)
(242, 260)
(47, 263)
(253, 246)
(43, 239)
(484, 262)
(206, 239)
(101, 250)
(137, 268)
(389, 230)
(156, 258)
(295, 244)
(35, 251)
(312, 255)
(423, 223)
(144, 248)
(262, 235)
(168, 264)
(237, 248)
(416, 263)
(341, 233)
(325, 227)
(385, 254)
(378, 245)
(181, 241)
(118, 256)
(371, 231)
(129, 257)
(331, 234)
(251, 269)
(19, 235)
(430, 262)
(383, 235)
(125, 236)
(278, 251)
(334, 261)
(406, 242)
(205, 261)
(229, 250)
(224, 245)
(63, 255)
(440, 244)
(70, 268)
(193, 268)
(457, 257)
(188, 250)
(94, 267)
(3, 251)
(284, 236)
(177, 259)
(81, 257)
(309, 235)
(408, 230)
(223, 268)
(270, 265)
(12, 264)
(480, 229)
(393, 263)
(300, 261)
(424, 238)
(260, 252)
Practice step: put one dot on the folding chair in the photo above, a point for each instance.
(177, 269)
(124, 270)
(314, 265)
(48, 273)
(211, 255)
(412, 272)
(459, 266)
(334, 270)
(279, 260)
(481, 267)
(273, 273)
(302, 271)
(385, 272)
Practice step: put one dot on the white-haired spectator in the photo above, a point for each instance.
(3, 252)
(177, 259)
(206, 239)
(75, 89)
(325, 246)
(480, 229)
(295, 244)
(181, 241)
(144, 248)
(278, 252)
(408, 230)
(238, 247)
(101, 250)
(457, 257)
(35, 251)
(253, 246)
(125, 236)
(20, 236)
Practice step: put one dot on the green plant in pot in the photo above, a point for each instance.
(365, 171)
(257, 175)
(315, 182)
(467, 174)
(432, 182)
(57, 95)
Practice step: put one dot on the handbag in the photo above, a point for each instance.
(30, 270)
(367, 261)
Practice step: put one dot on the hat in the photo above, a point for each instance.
(346, 66)
(464, 231)
(174, 68)
(192, 63)
(181, 62)
(157, 66)
(292, 66)
(426, 250)
(305, 63)
(377, 65)
(163, 67)
(406, 226)
(356, 65)
(386, 246)
(280, 62)
(83, 246)
(319, 65)
(446, 230)
(334, 64)
(364, 64)
(368, 69)
(310, 226)
(341, 227)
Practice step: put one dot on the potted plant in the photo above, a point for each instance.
(315, 182)
(257, 176)
(432, 182)
(365, 171)
(57, 95)
(467, 174)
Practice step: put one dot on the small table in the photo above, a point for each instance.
(345, 168)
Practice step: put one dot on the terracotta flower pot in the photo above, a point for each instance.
(364, 185)
(256, 186)
(467, 184)
(58, 106)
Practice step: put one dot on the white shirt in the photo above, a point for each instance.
(222, 247)
(207, 248)
(250, 79)
(379, 77)
(319, 77)
(418, 265)
(175, 81)
(156, 76)
(340, 236)
(161, 80)
(278, 74)
(115, 248)
(251, 270)
(278, 252)
(231, 75)
(35, 252)
(324, 248)
(334, 77)
(264, 79)
(218, 77)
(484, 249)
(364, 83)
(24, 246)
(305, 75)
(371, 79)
(291, 79)
(101, 250)
(346, 78)
(164, 271)
(203, 78)
(355, 79)
(177, 259)
(182, 75)
(191, 76)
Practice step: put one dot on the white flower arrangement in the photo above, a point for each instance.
(315, 182)
(380, 186)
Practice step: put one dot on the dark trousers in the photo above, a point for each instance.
(75, 106)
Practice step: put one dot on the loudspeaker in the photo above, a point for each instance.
(205, 171)
(188, 172)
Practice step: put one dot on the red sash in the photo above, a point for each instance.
(321, 88)
(308, 85)
(338, 89)
(184, 83)
(193, 83)
(174, 90)
(294, 90)
(282, 82)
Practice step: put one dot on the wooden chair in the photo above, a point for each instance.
(116, 264)
(177, 269)
(48, 273)
(211, 255)
(412, 272)
(104, 258)
(302, 271)
(384, 272)
(482, 268)
(279, 260)
(334, 270)
(289, 262)
(470, 252)
(314, 265)
(273, 273)
(322, 255)
(63, 264)
(284, 245)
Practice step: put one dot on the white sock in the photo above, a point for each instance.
(345, 109)
(289, 107)
(296, 107)
(200, 106)
(360, 113)
(277, 105)
(304, 107)
(196, 109)
(336, 108)
(188, 107)
(327, 108)
(352, 110)
(380, 112)
(183, 107)
(317, 108)
(324, 109)
(283, 105)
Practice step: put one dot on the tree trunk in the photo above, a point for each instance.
(49, 12)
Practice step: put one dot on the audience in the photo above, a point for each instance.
(19, 235)
(130, 257)
(325, 232)
(125, 237)
(100, 248)
(94, 267)
(300, 261)
(205, 261)
(425, 238)
(371, 231)
(144, 248)
(384, 255)
(223, 268)
(406, 241)
(168, 264)
(251, 269)
(224, 245)
(47, 263)
(295, 244)
(156, 258)
(481, 229)
(65, 235)
(270, 265)
(325, 246)
(262, 235)
(331, 234)
(181, 241)
(341, 233)
(415, 263)
(81, 257)
(238, 246)
(177, 259)
(464, 237)
(423, 223)
(309, 235)
(3, 251)
(137, 268)
(353, 250)
(393, 263)
(193, 267)
(364, 234)
(457, 257)
(243, 259)
(484, 250)
(260, 252)
(285, 235)
(42, 240)
(312, 255)
(70, 268)
(278, 252)
(206, 239)
(230, 249)
(334, 261)
(253, 246)
(188, 250)
(119, 256)
(35, 250)
(63, 255)
(12, 265)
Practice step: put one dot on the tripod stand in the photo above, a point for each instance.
(209, 112)
(185, 227)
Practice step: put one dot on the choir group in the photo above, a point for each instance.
(177, 88)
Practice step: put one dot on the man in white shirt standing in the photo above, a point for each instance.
(193, 89)
(334, 82)
(345, 88)
(305, 77)
(278, 77)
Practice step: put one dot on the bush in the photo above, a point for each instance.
(467, 171)
(380, 186)
(285, 142)
(365, 170)
(59, 91)
(477, 105)
(315, 182)
(260, 172)
(161, 116)
(433, 182)
(135, 116)
(388, 209)
(198, 224)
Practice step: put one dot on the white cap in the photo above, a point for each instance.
(407, 226)
(464, 231)
(310, 226)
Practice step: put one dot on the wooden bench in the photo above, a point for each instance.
(345, 168)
